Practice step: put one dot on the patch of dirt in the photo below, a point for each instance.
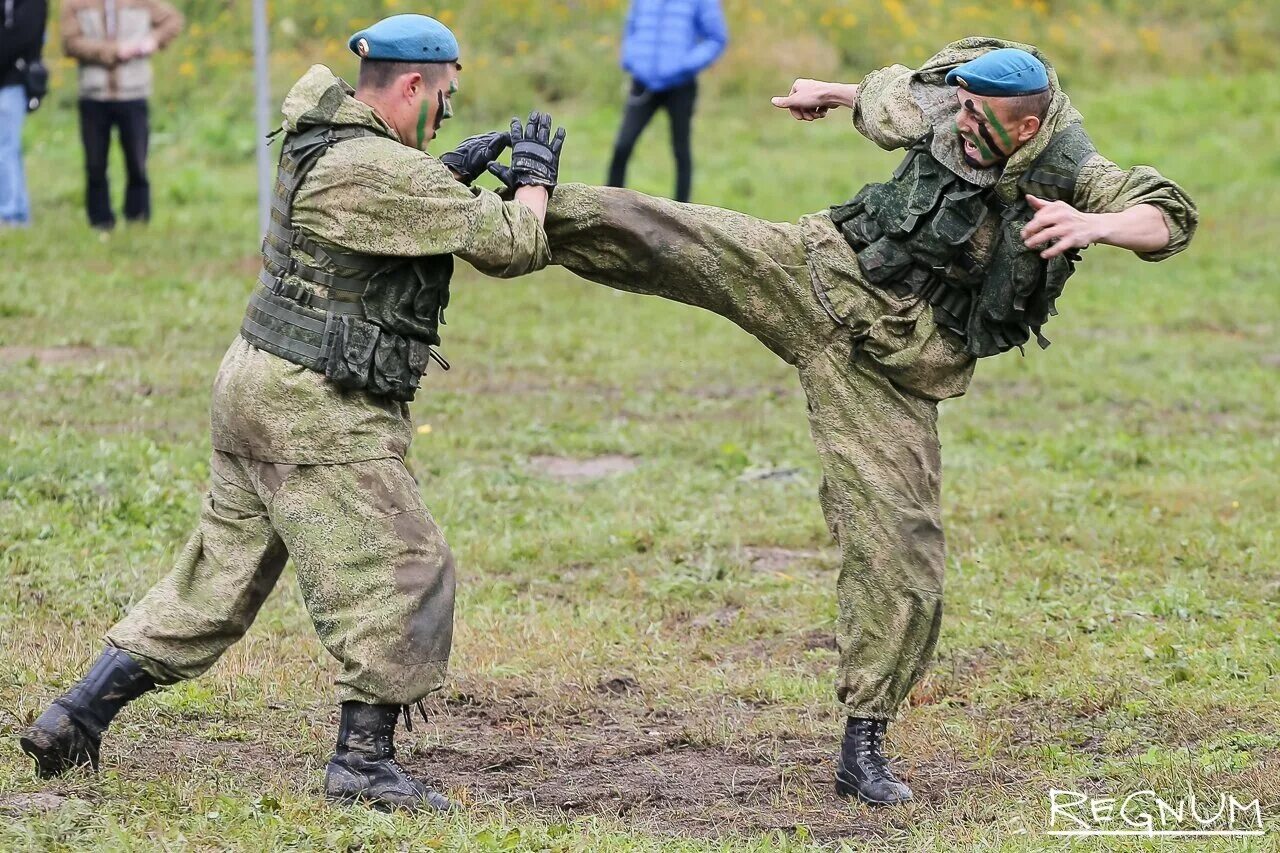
(637, 763)
(1271, 360)
(744, 392)
(171, 749)
(568, 469)
(619, 686)
(45, 356)
(657, 769)
(772, 559)
(58, 355)
(41, 801)
(817, 639)
(721, 618)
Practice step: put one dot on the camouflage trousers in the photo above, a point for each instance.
(877, 442)
(374, 569)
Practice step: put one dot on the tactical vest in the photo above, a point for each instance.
(913, 239)
(374, 327)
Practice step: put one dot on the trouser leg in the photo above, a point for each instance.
(881, 495)
(135, 134)
(95, 136)
(640, 107)
(14, 208)
(376, 575)
(680, 104)
(220, 580)
(747, 270)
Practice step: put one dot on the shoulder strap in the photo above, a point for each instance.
(299, 154)
(1053, 174)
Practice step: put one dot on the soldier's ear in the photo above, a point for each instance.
(411, 84)
(1027, 128)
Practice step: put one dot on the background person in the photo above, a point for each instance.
(113, 41)
(666, 44)
(21, 38)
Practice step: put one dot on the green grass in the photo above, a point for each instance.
(1112, 592)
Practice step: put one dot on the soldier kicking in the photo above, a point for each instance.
(884, 304)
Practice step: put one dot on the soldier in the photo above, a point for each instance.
(310, 423)
(884, 304)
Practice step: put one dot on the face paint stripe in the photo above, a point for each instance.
(982, 148)
(986, 134)
(441, 110)
(995, 122)
(422, 123)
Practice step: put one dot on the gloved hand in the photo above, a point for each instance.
(535, 155)
(475, 153)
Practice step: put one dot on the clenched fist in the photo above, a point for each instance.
(1057, 227)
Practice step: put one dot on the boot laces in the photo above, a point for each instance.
(868, 739)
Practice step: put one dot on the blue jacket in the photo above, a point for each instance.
(668, 42)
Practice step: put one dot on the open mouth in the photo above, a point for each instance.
(970, 148)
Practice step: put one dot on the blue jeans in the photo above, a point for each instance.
(14, 208)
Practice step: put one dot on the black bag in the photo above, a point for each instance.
(35, 80)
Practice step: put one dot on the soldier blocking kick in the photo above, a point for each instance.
(884, 304)
(310, 423)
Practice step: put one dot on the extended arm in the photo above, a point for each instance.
(1136, 209)
(414, 206)
(885, 106)
(1059, 227)
(811, 99)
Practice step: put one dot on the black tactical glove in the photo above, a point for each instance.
(475, 153)
(535, 155)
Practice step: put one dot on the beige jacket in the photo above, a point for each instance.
(93, 32)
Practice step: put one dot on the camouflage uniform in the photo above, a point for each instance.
(305, 470)
(873, 367)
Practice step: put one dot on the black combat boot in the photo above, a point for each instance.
(863, 771)
(68, 734)
(364, 768)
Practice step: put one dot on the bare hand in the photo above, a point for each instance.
(1059, 224)
(811, 99)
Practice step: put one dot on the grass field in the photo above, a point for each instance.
(643, 653)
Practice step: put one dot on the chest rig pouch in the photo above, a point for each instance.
(371, 322)
(913, 234)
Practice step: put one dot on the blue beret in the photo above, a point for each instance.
(1001, 73)
(406, 38)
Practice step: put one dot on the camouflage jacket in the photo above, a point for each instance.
(897, 106)
(374, 196)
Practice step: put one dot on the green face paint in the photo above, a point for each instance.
(995, 122)
(987, 153)
(422, 126)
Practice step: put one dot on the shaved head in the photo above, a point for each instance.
(378, 74)
(1016, 107)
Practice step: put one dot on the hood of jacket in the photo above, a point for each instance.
(321, 97)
